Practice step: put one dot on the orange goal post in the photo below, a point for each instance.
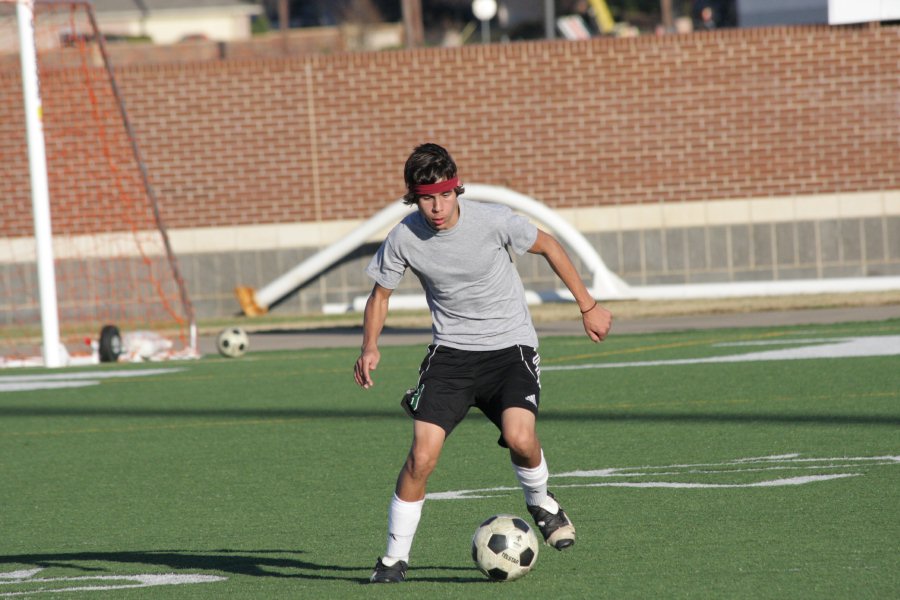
(83, 245)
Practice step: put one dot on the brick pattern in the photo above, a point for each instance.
(728, 114)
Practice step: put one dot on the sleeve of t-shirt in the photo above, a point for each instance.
(521, 233)
(387, 267)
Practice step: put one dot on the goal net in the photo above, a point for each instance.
(111, 256)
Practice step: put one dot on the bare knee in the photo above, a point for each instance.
(420, 464)
(523, 444)
(428, 439)
(518, 427)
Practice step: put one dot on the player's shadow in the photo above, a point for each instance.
(251, 563)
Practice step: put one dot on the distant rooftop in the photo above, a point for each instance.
(157, 5)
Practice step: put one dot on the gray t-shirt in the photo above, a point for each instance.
(476, 297)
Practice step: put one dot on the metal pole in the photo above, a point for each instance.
(485, 32)
(40, 190)
(284, 23)
(412, 23)
(549, 19)
(667, 18)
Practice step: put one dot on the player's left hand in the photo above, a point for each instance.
(597, 322)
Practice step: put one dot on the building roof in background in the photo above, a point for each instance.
(140, 6)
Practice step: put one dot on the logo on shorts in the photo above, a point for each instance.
(531, 398)
(414, 397)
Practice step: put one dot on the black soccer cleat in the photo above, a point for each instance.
(396, 573)
(557, 529)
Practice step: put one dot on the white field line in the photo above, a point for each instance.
(56, 381)
(23, 574)
(50, 385)
(787, 458)
(778, 342)
(783, 462)
(788, 481)
(687, 485)
(708, 471)
(85, 375)
(125, 582)
(887, 345)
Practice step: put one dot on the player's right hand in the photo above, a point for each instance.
(597, 322)
(367, 361)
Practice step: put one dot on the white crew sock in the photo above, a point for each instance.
(403, 519)
(534, 484)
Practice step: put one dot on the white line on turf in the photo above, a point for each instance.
(788, 459)
(106, 582)
(24, 574)
(87, 375)
(55, 381)
(886, 345)
(46, 385)
(795, 462)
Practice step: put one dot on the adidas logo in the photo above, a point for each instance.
(531, 398)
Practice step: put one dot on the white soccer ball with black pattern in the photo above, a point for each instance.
(504, 548)
(233, 342)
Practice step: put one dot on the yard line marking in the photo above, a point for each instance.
(627, 473)
(55, 381)
(782, 458)
(124, 582)
(779, 462)
(684, 486)
(778, 342)
(88, 375)
(21, 574)
(888, 345)
(788, 481)
(45, 385)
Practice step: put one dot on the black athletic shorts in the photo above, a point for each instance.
(451, 381)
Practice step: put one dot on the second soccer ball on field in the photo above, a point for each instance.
(232, 342)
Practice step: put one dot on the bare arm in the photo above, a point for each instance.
(596, 319)
(373, 322)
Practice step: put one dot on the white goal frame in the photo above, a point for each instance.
(40, 192)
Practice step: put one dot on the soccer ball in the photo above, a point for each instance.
(504, 548)
(232, 342)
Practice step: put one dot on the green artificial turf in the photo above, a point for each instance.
(272, 473)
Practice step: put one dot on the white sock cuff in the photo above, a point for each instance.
(405, 506)
(535, 473)
(404, 516)
(533, 481)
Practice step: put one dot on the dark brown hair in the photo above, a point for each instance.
(427, 164)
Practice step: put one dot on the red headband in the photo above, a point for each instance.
(440, 187)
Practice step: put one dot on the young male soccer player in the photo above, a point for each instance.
(484, 351)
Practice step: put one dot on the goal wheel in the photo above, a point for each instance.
(110, 343)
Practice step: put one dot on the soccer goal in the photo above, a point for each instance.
(83, 246)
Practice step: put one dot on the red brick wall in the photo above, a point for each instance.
(730, 114)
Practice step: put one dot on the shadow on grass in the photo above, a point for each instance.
(286, 564)
(348, 413)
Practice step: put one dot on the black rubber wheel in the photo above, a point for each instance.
(110, 343)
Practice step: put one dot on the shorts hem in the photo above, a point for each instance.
(526, 405)
(447, 432)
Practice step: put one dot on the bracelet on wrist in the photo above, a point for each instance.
(584, 312)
